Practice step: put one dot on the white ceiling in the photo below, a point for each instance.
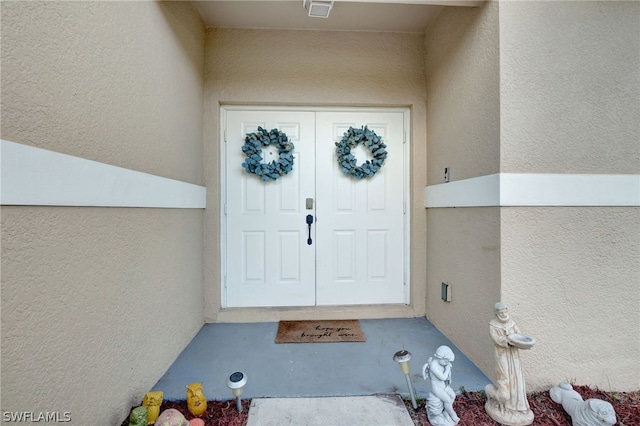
(346, 15)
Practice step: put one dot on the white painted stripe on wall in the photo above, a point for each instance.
(482, 191)
(37, 177)
(536, 189)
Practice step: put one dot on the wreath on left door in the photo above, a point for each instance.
(252, 148)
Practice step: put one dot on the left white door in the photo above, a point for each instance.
(268, 259)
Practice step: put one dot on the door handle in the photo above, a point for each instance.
(309, 222)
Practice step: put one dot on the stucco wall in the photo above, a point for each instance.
(570, 102)
(468, 259)
(463, 246)
(571, 279)
(463, 93)
(570, 87)
(272, 67)
(567, 77)
(98, 302)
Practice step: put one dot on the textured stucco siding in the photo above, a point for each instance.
(468, 259)
(565, 92)
(570, 87)
(310, 68)
(463, 245)
(95, 306)
(463, 93)
(570, 102)
(571, 279)
(98, 302)
(106, 81)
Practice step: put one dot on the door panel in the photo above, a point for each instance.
(268, 260)
(358, 250)
(360, 226)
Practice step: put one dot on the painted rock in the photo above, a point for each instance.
(171, 417)
(196, 422)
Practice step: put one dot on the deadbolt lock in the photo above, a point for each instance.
(309, 203)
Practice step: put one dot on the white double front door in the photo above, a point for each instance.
(353, 253)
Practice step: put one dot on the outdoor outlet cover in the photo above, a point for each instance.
(445, 292)
(446, 174)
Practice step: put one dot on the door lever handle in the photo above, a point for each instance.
(309, 222)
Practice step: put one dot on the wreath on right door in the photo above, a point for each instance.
(348, 162)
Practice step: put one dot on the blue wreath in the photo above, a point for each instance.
(347, 160)
(252, 148)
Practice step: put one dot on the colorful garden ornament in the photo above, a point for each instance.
(153, 400)
(171, 417)
(138, 416)
(196, 401)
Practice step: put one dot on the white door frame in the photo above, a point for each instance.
(223, 181)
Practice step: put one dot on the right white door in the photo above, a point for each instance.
(360, 226)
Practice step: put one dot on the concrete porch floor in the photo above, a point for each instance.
(312, 369)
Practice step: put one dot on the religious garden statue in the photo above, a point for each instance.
(592, 412)
(507, 398)
(440, 398)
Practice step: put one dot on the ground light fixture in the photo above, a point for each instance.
(402, 358)
(236, 382)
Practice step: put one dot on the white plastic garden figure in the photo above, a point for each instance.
(440, 399)
(507, 399)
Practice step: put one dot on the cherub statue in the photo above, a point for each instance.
(440, 398)
(507, 398)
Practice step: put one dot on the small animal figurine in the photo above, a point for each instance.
(171, 417)
(153, 401)
(138, 416)
(592, 412)
(196, 401)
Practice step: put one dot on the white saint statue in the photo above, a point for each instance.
(507, 398)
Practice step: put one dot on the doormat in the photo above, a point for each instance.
(324, 331)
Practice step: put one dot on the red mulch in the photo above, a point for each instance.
(469, 406)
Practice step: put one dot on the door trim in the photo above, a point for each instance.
(223, 183)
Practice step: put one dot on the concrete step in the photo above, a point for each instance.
(377, 410)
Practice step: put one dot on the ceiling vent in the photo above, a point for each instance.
(318, 8)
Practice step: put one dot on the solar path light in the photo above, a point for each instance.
(402, 358)
(236, 382)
